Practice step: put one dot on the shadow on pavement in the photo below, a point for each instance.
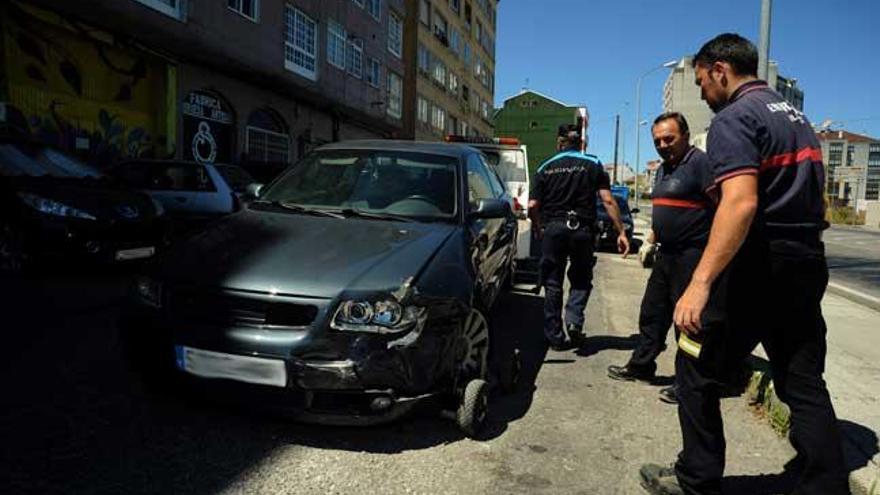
(594, 345)
(74, 419)
(860, 446)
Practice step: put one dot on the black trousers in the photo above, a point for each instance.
(561, 246)
(771, 293)
(670, 277)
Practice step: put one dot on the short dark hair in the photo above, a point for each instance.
(568, 135)
(732, 48)
(677, 117)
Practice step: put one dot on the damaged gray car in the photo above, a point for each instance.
(355, 287)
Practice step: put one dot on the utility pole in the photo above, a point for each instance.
(616, 137)
(764, 43)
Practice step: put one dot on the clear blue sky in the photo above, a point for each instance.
(591, 52)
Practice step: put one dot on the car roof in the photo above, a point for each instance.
(435, 148)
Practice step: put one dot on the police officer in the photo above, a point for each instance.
(680, 225)
(765, 262)
(562, 206)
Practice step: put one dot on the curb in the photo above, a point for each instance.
(854, 295)
(761, 396)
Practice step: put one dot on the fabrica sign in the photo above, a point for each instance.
(207, 128)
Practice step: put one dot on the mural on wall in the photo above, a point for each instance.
(208, 128)
(78, 88)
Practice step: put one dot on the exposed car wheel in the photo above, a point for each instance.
(509, 372)
(474, 408)
(12, 255)
(475, 344)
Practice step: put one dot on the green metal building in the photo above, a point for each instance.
(534, 118)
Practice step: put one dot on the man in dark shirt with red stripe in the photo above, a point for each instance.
(680, 225)
(766, 256)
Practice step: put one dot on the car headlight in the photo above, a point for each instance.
(148, 291)
(381, 316)
(52, 207)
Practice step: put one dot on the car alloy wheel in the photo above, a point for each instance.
(11, 249)
(476, 345)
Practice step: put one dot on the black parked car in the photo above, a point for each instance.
(52, 205)
(606, 235)
(356, 286)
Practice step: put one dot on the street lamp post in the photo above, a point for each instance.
(667, 65)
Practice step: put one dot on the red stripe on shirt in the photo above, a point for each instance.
(678, 203)
(739, 171)
(793, 158)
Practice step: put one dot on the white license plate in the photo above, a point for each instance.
(210, 364)
(135, 254)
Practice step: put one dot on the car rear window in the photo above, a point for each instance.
(510, 164)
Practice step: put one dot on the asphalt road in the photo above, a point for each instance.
(854, 258)
(73, 419)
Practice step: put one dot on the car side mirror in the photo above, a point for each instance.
(491, 208)
(253, 190)
(634, 210)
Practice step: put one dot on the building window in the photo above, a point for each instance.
(478, 33)
(874, 154)
(484, 109)
(835, 154)
(452, 82)
(455, 5)
(422, 110)
(300, 43)
(336, 38)
(466, 54)
(467, 15)
(439, 71)
(425, 12)
(438, 118)
(247, 8)
(374, 7)
(452, 124)
(395, 95)
(463, 128)
(455, 41)
(355, 58)
(168, 7)
(850, 151)
(266, 139)
(465, 93)
(395, 35)
(441, 28)
(533, 124)
(374, 72)
(424, 59)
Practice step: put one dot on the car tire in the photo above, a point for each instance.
(13, 258)
(474, 408)
(476, 343)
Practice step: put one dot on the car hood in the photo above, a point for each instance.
(104, 201)
(303, 255)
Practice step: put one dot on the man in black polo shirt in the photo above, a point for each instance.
(765, 253)
(680, 225)
(562, 206)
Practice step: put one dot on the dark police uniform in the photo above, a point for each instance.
(567, 182)
(681, 222)
(774, 286)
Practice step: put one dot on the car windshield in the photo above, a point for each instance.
(408, 184)
(39, 161)
(510, 164)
